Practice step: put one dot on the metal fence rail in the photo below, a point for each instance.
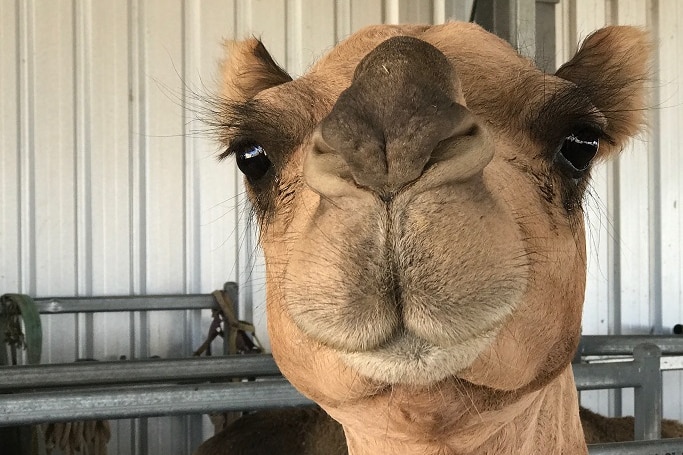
(125, 389)
(138, 401)
(169, 302)
(135, 371)
(625, 344)
(658, 447)
(643, 374)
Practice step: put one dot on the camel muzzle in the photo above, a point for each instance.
(403, 115)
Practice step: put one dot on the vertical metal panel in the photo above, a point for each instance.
(342, 16)
(634, 250)
(545, 30)
(103, 164)
(578, 19)
(54, 145)
(438, 11)
(460, 10)
(418, 12)
(667, 17)
(632, 191)
(392, 10)
(318, 30)
(53, 151)
(214, 218)
(294, 31)
(10, 233)
(104, 130)
(632, 167)
(515, 21)
(365, 13)
(165, 191)
(211, 206)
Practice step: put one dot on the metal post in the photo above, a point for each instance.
(483, 14)
(515, 21)
(529, 25)
(231, 289)
(648, 397)
(512, 20)
(545, 35)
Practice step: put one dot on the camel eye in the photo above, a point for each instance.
(578, 150)
(252, 160)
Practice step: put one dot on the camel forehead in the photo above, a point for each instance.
(470, 40)
(466, 44)
(481, 61)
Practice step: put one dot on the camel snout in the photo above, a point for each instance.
(403, 115)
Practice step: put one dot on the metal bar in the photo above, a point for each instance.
(136, 371)
(671, 363)
(587, 376)
(55, 406)
(483, 14)
(57, 305)
(545, 36)
(625, 344)
(668, 363)
(661, 447)
(648, 397)
(515, 22)
(606, 375)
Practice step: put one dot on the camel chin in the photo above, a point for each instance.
(412, 361)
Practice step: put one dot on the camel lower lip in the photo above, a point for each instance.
(411, 360)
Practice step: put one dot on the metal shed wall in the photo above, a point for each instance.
(108, 185)
(633, 217)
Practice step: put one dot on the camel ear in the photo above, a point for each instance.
(612, 68)
(248, 69)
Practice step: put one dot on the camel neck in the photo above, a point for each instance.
(543, 422)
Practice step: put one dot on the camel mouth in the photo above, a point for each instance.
(408, 359)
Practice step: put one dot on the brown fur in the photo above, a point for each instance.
(423, 237)
(305, 431)
(251, 69)
(598, 428)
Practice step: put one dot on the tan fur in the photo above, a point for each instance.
(425, 250)
(249, 70)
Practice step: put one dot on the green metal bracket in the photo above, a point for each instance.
(12, 308)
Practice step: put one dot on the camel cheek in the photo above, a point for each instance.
(541, 337)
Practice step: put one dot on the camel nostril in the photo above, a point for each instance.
(403, 112)
(386, 198)
(325, 170)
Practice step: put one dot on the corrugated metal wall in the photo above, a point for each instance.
(108, 185)
(635, 276)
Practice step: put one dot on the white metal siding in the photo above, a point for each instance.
(633, 219)
(108, 186)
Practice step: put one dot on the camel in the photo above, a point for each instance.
(419, 195)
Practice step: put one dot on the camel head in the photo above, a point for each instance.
(419, 195)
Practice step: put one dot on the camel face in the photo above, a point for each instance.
(419, 196)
